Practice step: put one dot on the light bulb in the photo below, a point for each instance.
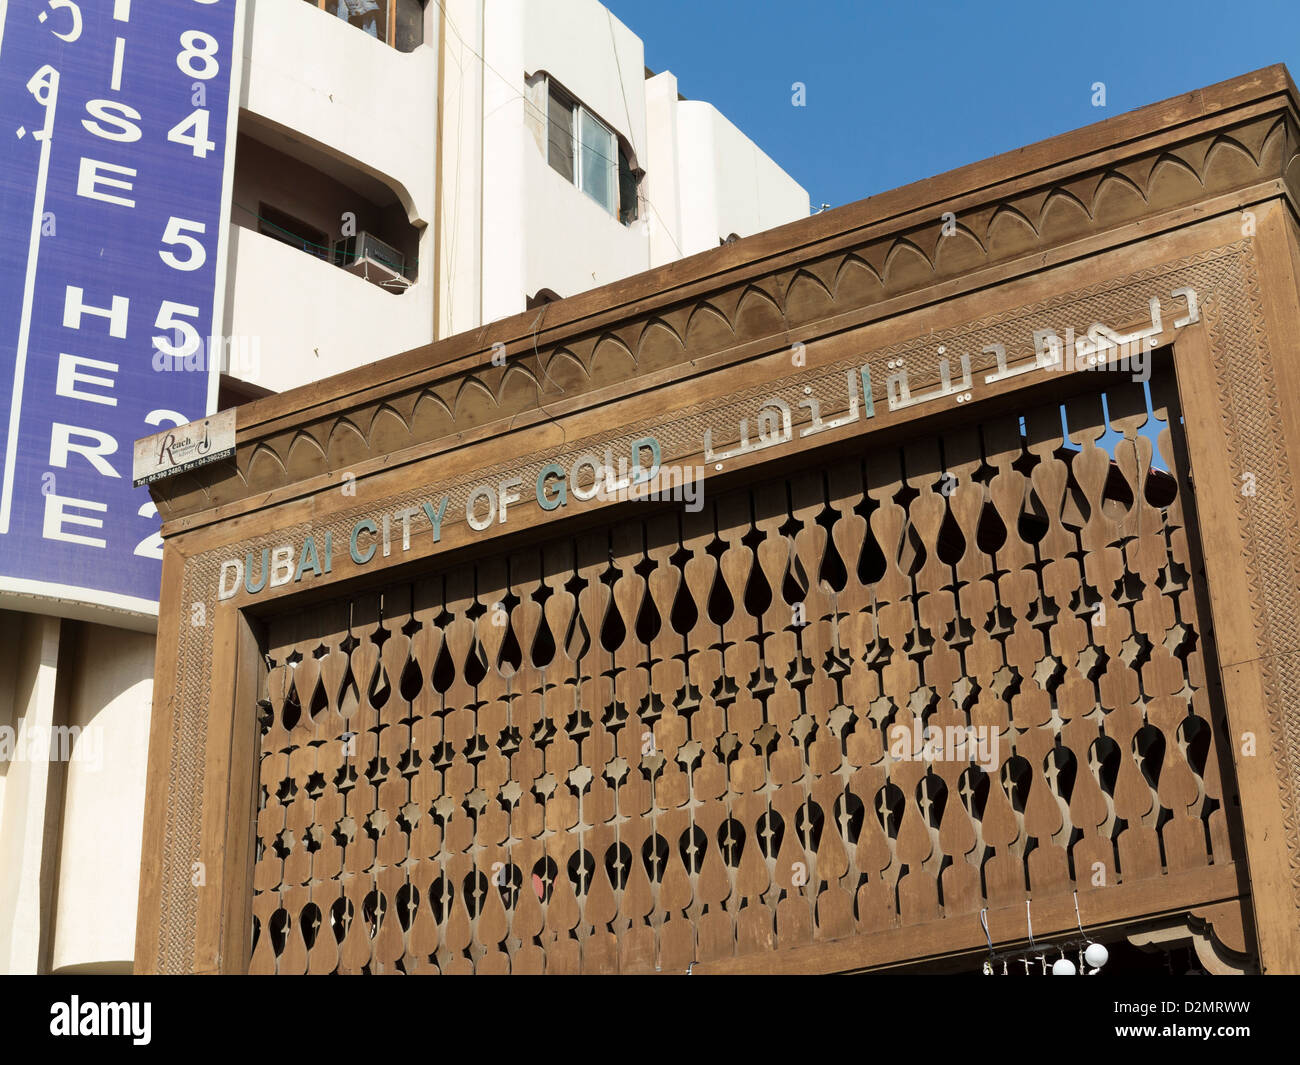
(1063, 967)
(1096, 955)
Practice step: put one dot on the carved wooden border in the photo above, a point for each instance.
(1268, 524)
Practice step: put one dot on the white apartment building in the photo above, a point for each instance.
(553, 164)
(404, 170)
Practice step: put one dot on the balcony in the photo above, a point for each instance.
(297, 318)
(315, 79)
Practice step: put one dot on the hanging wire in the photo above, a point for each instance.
(542, 114)
(1079, 920)
(545, 117)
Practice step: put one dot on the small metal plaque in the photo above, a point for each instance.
(184, 447)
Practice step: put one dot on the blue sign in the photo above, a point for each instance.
(115, 159)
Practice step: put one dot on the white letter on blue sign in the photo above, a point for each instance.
(74, 308)
(70, 376)
(61, 445)
(115, 114)
(57, 516)
(90, 179)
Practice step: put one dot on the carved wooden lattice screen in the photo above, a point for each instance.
(632, 751)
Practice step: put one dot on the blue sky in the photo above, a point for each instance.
(903, 90)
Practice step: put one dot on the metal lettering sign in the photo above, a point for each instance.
(116, 145)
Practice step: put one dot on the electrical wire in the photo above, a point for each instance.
(545, 117)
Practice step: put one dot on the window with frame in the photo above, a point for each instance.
(585, 151)
(399, 23)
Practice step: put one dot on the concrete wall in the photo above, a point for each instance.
(571, 218)
(661, 187)
(595, 57)
(33, 791)
(310, 319)
(99, 855)
(460, 217)
(71, 811)
(729, 185)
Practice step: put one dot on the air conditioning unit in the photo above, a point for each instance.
(367, 256)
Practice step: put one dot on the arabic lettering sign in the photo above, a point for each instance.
(588, 477)
(115, 130)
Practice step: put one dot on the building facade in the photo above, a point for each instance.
(553, 162)
(894, 589)
(399, 171)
